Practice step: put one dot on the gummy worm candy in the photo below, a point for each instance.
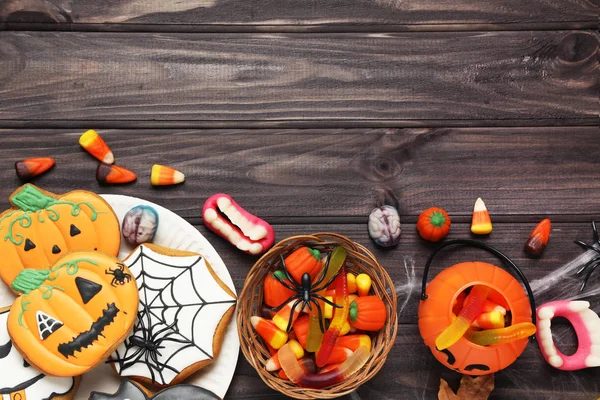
(333, 266)
(501, 335)
(467, 315)
(339, 318)
(300, 377)
(247, 232)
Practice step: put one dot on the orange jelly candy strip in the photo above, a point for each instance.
(317, 381)
(467, 315)
(502, 335)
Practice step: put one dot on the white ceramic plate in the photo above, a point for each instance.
(173, 232)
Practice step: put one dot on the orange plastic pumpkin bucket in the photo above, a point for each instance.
(439, 297)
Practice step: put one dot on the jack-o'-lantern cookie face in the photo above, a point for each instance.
(42, 227)
(73, 316)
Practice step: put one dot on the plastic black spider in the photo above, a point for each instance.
(306, 292)
(120, 276)
(591, 265)
(148, 346)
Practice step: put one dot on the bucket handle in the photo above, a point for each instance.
(490, 249)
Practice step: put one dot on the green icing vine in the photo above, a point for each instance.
(29, 200)
(32, 279)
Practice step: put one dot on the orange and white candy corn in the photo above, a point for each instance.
(114, 174)
(164, 176)
(481, 224)
(93, 144)
(273, 362)
(32, 167)
(275, 337)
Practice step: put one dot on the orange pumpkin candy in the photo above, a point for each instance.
(42, 227)
(72, 317)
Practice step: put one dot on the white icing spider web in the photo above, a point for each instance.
(180, 307)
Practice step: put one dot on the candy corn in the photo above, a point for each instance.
(114, 174)
(273, 362)
(363, 284)
(353, 342)
(275, 337)
(489, 320)
(481, 223)
(93, 144)
(164, 176)
(539, 238)
(338, 355)
(32, 167)
(351, 282)
(282, 318)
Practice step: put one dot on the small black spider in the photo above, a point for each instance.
(148, 346)
(594, 262)
(120, 276)
(306, 292)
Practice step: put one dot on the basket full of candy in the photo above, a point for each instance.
(317, 316)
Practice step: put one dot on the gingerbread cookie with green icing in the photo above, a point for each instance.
(71, 317)
(41, 227)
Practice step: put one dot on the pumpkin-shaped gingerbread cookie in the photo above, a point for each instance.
(42, 227)
(73, 316)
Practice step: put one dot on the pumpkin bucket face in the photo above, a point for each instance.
(73, 316)
(435, 314)
(41, 228)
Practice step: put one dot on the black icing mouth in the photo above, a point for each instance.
(86, 338)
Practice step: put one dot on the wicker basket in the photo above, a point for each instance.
(359, 259)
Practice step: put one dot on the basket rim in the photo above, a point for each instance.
(362, 258)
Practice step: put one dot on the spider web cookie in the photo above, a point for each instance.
(183, 313)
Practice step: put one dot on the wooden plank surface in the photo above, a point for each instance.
(355, 14)
(321, 175)
(547, 77)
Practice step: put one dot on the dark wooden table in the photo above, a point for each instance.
(306, 111)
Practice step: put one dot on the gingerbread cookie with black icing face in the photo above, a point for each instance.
(21, 381)
(183, 313)
(41, 227)
(70, 318)
(132, 391)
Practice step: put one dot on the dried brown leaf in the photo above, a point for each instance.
(471, 388)
(445, 393)
(475, 388)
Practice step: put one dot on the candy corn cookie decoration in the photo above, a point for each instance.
(114, 174)
(481, 223)
(164, 176)
(93, 144)
(32, 167)
(538, 240)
